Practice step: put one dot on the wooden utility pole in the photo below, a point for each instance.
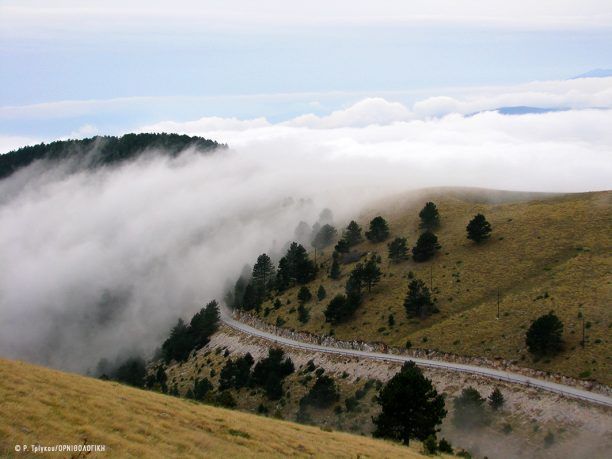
(582, 343)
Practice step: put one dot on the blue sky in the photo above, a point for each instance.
(185, 60)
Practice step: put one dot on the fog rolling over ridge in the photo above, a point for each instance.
(99, 263)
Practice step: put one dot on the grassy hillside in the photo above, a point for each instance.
(545, 253)
(48, 407)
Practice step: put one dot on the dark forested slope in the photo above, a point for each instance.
(103, 150)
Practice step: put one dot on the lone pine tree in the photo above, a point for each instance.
(478, 229)
(418, 300)
(544, 336)
(430, 218)
(368, 274)
(411, 407)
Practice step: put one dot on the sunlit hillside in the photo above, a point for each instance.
(545, 253)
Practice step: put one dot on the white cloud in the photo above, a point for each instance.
(206, 124)
(87, 130)
(577, 93)
(23, 16)
(364, 113)
(385, 108)
(11, 142)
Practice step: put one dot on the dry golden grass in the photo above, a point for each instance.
(48, 407)
(555, 245)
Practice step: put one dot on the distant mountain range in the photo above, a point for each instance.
(524, 110)
(103, 150)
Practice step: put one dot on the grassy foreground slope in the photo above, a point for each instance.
(48, 407)
(545, 253)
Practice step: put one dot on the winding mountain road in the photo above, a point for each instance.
(516, 378)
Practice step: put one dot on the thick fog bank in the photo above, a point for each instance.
(100, 263)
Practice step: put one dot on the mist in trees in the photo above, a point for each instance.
(325, 237)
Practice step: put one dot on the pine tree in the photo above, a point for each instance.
(263, 274)
(238, 295)
(337, 310)
(342, 247)
(469, 409)
(334, 272)
(398, 249)
(303, 313)
(321, 293)
(322, 394)
(411, 407)
(236, 373)
(496, 399)
(250, 300)
(324, 237)
(352, 234)
(545, 335)
(178, 345)
(295, 267)
(304, 295)
(283, 275)
(379, 230)
(370, 273)
(303, 233)
(478, 229)
(354, 296)
(426, 247)
(430, 218)
(418, 300)
(201, 387)
(270, 372)
(204, 324)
